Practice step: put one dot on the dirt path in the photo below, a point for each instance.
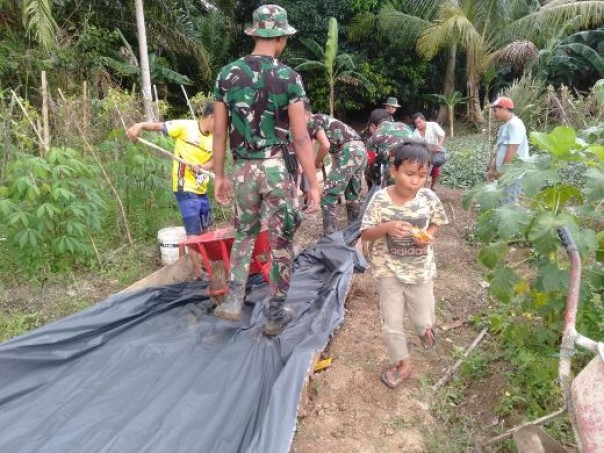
(350, 409)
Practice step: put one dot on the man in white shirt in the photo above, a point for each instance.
(433, 134)
(511, 142)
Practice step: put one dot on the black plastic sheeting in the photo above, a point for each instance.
(152, 371)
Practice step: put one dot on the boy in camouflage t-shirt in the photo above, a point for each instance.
(402, 221)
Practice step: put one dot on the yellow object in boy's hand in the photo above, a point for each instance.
(422, 235)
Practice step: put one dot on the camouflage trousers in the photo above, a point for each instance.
(346, 174)
(263, 189)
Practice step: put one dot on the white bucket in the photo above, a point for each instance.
(168, 243)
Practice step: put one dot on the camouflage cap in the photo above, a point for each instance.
(270, 21)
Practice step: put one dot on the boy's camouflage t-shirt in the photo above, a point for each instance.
(385, 137)
(401, 257)
(257, 91)
(336, 131)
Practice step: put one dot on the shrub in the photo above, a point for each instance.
(51, 207)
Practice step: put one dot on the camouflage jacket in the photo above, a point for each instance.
(387, 136)
(336, 131)
(402, 257)
(257, 91)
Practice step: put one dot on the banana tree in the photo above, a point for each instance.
(450, 101)
(336, 67)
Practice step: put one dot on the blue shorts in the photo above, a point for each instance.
(195, 211)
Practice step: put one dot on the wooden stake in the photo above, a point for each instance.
(156, 102)
(452, 369)
(45, 128)
(85, 106)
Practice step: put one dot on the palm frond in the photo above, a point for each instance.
(518, 54)
(552, 16)
(38, 20)
(363, 27)
(453, 26)
(401, 27)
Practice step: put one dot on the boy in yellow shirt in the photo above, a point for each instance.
(193, 143)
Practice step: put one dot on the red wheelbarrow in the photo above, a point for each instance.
(583, 395)
(215, 251)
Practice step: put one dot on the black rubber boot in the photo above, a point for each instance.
(231, 308)
(278, 318)
(352, 211)
(330, 222)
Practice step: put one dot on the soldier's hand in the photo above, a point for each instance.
(222, 190)
(314, 199)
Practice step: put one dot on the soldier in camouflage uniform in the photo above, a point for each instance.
(349, 158)
(401, 221)
(258, 100)
(384, 136)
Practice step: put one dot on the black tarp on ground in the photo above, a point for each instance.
(152, 372)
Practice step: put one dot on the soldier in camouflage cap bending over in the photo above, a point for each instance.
(385, 135)
(349, 159)
(258, 100)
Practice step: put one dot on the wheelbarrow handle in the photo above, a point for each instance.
(567, 240)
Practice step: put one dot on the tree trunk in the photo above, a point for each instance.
(451, 120)
(144, 60)
(474, 111)
(449, 82)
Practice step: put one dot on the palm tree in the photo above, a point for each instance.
(144, 60)
(337, 67)
(489, 31)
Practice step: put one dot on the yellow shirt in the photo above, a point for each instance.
(192, 146)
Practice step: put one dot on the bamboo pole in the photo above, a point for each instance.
(165, 151)
(16, 98)
(452, 369)
(188, 102)
(99, 163)
(45, 127)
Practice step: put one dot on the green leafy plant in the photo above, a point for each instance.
(527, 269)
(467, 163)
(50, 208)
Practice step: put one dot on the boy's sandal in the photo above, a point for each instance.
(395, 378)
(427, 344)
